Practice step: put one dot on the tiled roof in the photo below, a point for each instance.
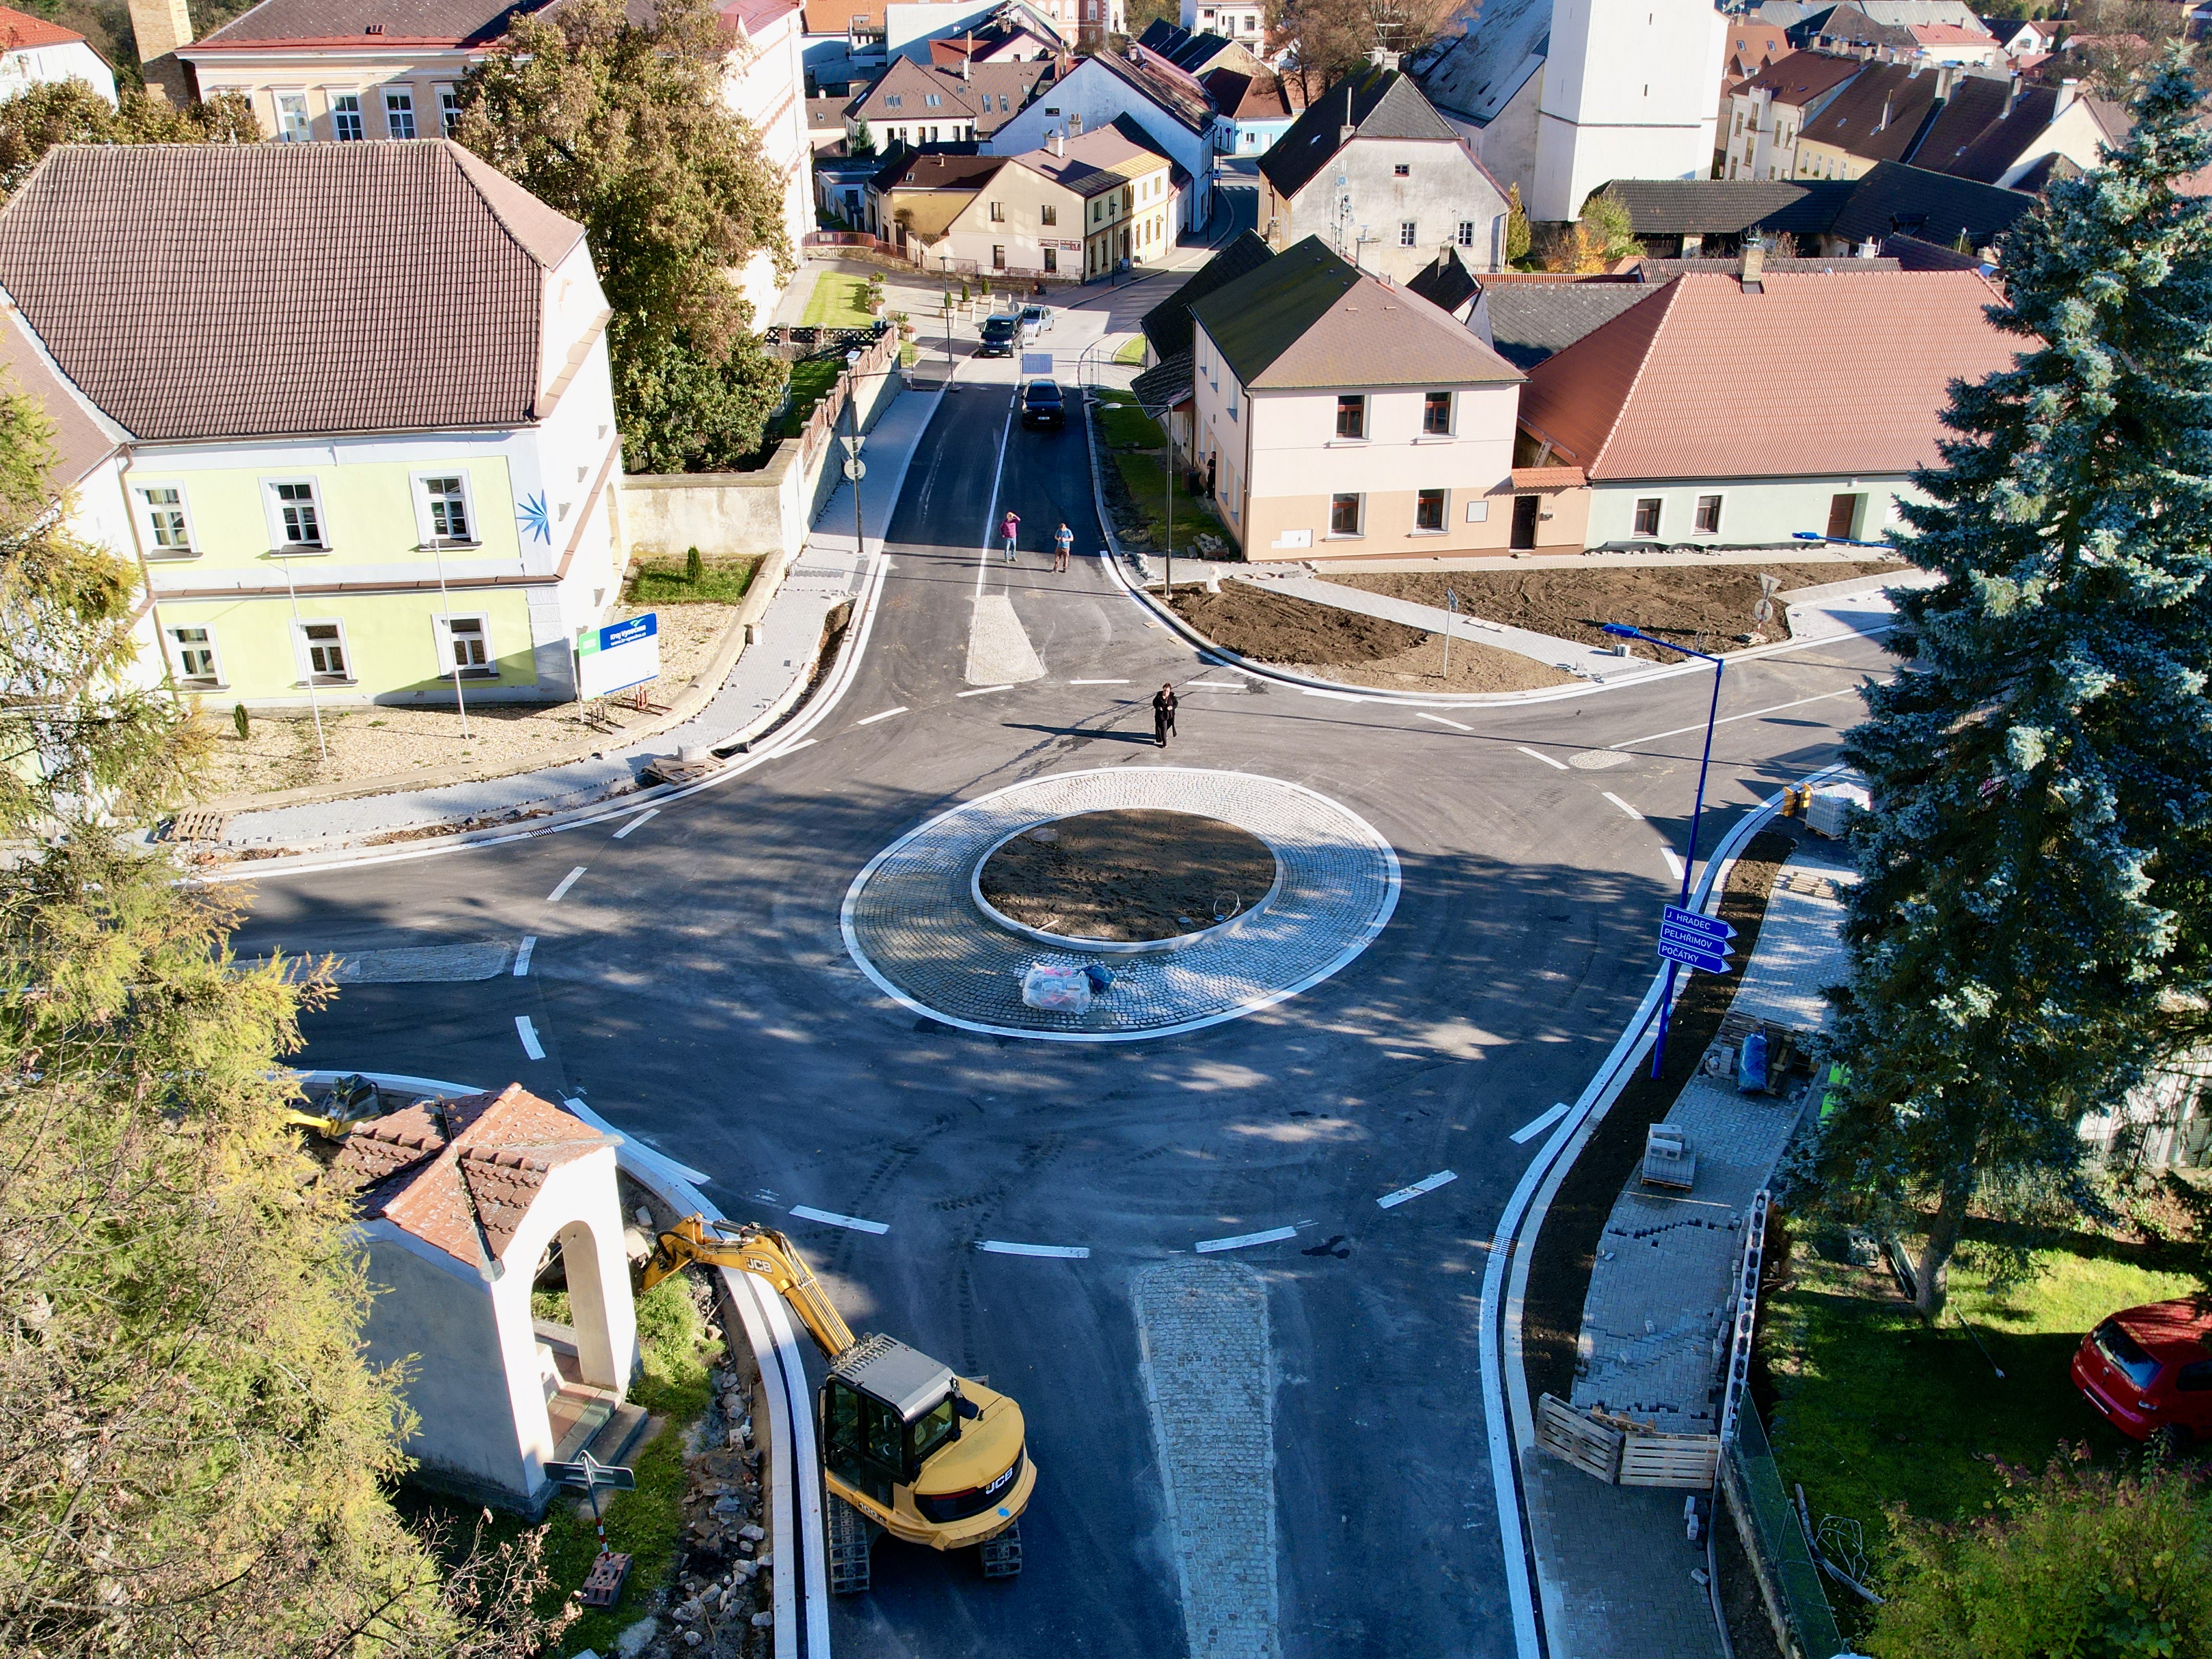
(934, 169)
(1949, 35)
(171, 283)
(1243, 96)
(1445, 283)
(1880, 115)
(1194, 54)
(1177, 95)
(349, 22)
(1975, 137)
(1911, 253)
(19, 31)
(461, 1175)
(1752, 42)
(1378, 103)
(1850, 24)
(1164, 385)
(971, 97)
(1476, 73)
(1836, 376)
(1722, 207)
(1657, 272)
(838, 16)
(1167, 324)
(1801, 77)
(1531, 321)
(82, 438)
(1307, 320)
(1921, 203)
(1098, 160)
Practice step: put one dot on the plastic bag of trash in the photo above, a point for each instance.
(1057, 990)
(1751, 1064)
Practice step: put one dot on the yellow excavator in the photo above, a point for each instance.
(907, 1448)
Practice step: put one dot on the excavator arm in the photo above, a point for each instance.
(765, 1254)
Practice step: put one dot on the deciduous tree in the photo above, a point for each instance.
(70, 112)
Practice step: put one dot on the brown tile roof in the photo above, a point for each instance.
(1801, 77)
(20, 30)
(1098, 160)
(973, 97)
(1818, 376)
(837, 16)
(461, 1175)
(172, 284)
(347, 22)
(82, 440)
(1880, 115)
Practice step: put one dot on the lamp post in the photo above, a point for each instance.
(308, 653)
(1621, 630)
(437, 551)
(853, 469)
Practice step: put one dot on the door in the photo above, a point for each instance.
(1844, 517)
(1524, 520)
(860, 1440)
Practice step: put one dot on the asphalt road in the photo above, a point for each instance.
(693, 986)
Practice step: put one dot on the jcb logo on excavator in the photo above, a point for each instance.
(1003, 1481)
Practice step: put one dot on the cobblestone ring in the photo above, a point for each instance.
(911, 921)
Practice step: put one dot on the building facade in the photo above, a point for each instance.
(1170, 108)
(36, 53)
(1761, 119)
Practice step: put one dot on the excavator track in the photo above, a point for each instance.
(850, 1538)
(1002, 1555)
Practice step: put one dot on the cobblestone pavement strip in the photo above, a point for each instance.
(999, 649)
(1210, 1381)
(911, 923)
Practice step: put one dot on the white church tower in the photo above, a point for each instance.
(1631, 88)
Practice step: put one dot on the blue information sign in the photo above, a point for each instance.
(1695, 941)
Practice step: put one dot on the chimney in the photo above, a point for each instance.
(1882, 125)
(160, 27)
(2012, 96)
(1059, 144)
(963, 63)
(1869, 249)
(1754, 265)
(2067, 92)
(1946, 76)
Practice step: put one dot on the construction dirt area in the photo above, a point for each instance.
(1128, 875)
(1706, 606)
(1345, 645)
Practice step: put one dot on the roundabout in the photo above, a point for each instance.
(917, 923)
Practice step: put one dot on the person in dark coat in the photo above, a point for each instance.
(1163, 707)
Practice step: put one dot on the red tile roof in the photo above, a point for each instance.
(461, 1175)
(20, 30)
(1818, 376)
(1950, 34)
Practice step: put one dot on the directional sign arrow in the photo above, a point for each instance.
(1674, 916)
(1670, 941)
(1704, 961)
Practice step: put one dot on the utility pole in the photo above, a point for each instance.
(454, 656)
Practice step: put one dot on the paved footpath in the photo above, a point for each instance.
(1614, 1561)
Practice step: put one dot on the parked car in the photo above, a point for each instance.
(1035, 320)
(1042, 406)
(2149, 1370)
(999, 333)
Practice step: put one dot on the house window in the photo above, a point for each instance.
(1647, 515)
(468, 646)
(1351, 416)
(298, 516)
(399, 114)
(1344, 515)
(323, 652)
(998, 213)
(1466, 233)
(1002, 103)
(894, 100)
(1428, 510)
(931, 100)
(193, 649)
(1708, 517)
(169, 532)
(345, 116)
(1436, 414)
(446, 502)
(292, 124)
(1051, 260)
(997, 256)
(1406, 234)
(1401, 170)
(449, 110)
(1048, 214)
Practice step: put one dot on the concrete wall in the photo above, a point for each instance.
(1441, 190)
(1754, 512)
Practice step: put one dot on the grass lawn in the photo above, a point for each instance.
(1871, 1407)
(723, 582)
(838, 301)
(1123, 424)
(810, 381)
(1134, 444)
(1132, 354)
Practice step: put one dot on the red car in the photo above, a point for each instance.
(2150, 1369)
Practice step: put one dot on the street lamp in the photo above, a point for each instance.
(1621, 630)
(853, 469)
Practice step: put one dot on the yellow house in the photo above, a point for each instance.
(362, 464)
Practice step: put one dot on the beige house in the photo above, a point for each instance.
(1338, 417)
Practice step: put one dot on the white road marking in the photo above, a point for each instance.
(1725, 719)
(1624, 806)
(809, 1213)
(1087, 683)
(1425, 1184)
(649, 813)
(522, 955)
(1538, 754)
(791, 749)
(528, 1033)
(982, 690)
(1213, 685)
(1068, 1252)
(1536, 1126)
(885, 716)
(1340, 697)
(1673, 862)
(1419, 715)
(1244, 1241)
(566, 882)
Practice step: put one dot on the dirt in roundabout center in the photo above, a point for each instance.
(1128, 874)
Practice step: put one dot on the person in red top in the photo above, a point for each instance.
(1009, 530)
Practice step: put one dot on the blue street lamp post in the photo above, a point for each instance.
(1621, 630)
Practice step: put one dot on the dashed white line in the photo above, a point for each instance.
(1065, 1252)
(1425, 1184)
(649, 813)
(1213, 685)
(1673, 862)
(1726, 719)
(980, 691)
(1538, 754)
(566, 882)
(1420, 716)
(885, 716)
(1245, 1241)
(522, 955)
(1098, 682)
(1338, 696)
(1624, 806)
(1536, 1126)
(807, 1212)
(528, 1033)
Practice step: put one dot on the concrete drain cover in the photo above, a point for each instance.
(911, 921)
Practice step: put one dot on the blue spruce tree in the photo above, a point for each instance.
(2032, 908)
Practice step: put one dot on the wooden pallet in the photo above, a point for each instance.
(667, 769)
(1680, 1461)
(1591, 1446)
(200, 824)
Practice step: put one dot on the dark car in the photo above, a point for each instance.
(999, 333)
(1042, 406)
(2149, 1370)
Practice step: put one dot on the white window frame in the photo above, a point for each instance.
(307, 132)
(442, 637)
(176, 649)
(331, 97)
(1719, 499)
(275, 509)
(303, 663)
(1409, 233)
(424, 529)
(415, 128)
(449, 107)
(154, 550)
(1466, 233)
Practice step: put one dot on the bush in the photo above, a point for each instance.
(694, 565)
(239, 720)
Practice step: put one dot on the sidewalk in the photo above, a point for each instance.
(1614, 1561)
(770, 675)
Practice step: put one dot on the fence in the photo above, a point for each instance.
(1775, 1539)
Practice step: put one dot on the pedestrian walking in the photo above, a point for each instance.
(1009, 530)
(1163, 707)
(1063, 543)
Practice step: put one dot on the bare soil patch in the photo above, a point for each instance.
(1346, 645)
(1128, 875)
(1704, 605)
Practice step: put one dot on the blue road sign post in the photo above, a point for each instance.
(1694, 941)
